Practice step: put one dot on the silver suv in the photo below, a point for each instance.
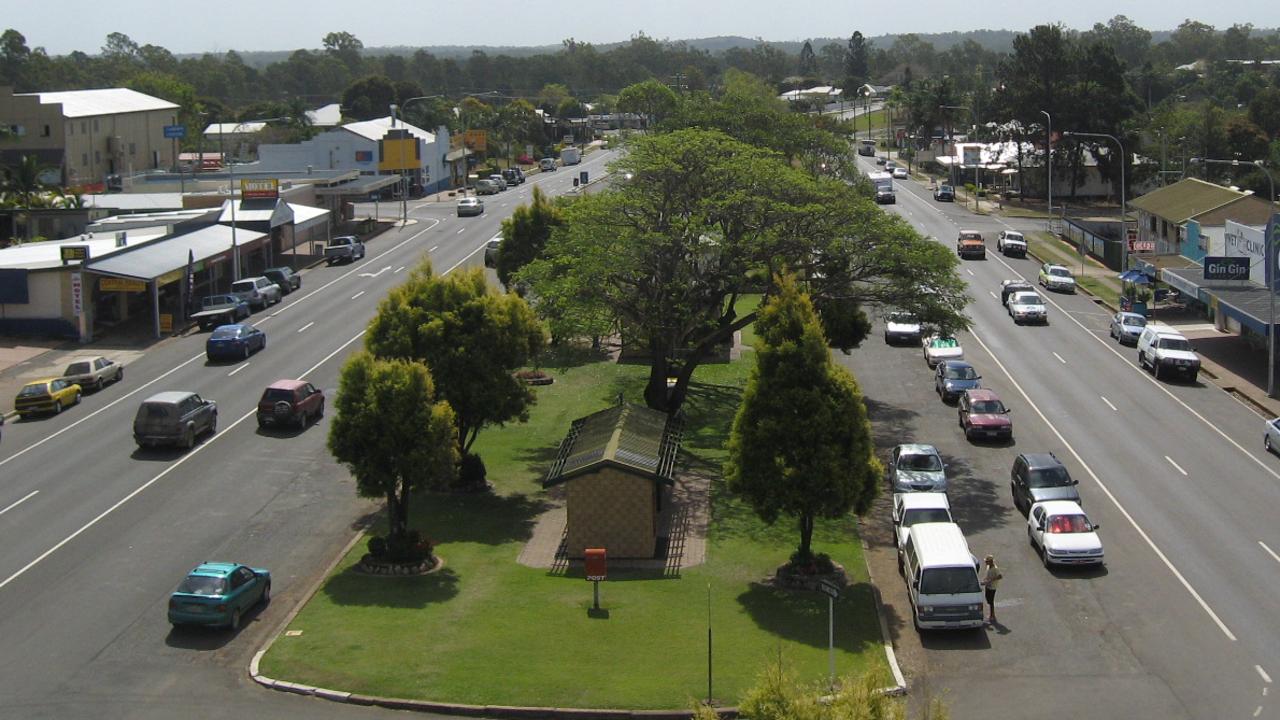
(259, 292)
(174, 418)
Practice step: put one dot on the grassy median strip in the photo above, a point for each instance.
(487, 630)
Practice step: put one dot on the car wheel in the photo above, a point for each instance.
(246, 353)
(1044, 557)
(1031, 539)
(1192, 379)
(189, 439)
(263, 346)
(266, 594)
(57, 407)
(235, 620)
(902, 570)
(1155, 370)
(98, 385)
(1266, 442)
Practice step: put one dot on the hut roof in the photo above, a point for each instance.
(628, 436)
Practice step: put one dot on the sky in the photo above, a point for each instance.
(292, 24)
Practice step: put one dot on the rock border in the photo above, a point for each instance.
(431, 565)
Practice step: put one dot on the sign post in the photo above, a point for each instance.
(832, 591)
(596, 570)
(176, 133)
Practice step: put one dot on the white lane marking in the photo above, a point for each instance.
(238, 369)
(402, 266)
(304, 327)
(1064, 362)
(503, 205)
(375, 274)
(437, 247)
(25, 498)
(1155, 383)
(177, 464)
(1257, 711)
(460, 231)
(353, 297)
(1108, 402)
(1175, 465)
(102, 409)
(1114, 500)
(970, 272)
(1270, 552)
(993, 295)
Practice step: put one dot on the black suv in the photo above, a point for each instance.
(513, 176)
(1036, 477)
(286, 278)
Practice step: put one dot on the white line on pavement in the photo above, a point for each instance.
(402, 266)
(437, 247)
(304, 327)
(353, 297)
(1175, 465)
(460, 231)
(1064, 362)
(1263, 674)
(29, 495)
(970, 272)
(1107, 491)
(1108, 402)
(238, 369)
(993, 295)
(1270, 552)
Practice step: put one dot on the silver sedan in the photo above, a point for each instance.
(1127, 326)
(1271, 438)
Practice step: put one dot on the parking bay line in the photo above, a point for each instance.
(1108, 402)
(1263, 674)
(1175, 465)
(1064, 362)
(1270, 552)
(1186, 584)
(29, 495)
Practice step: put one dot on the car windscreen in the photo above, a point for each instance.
(34, 390)
(1068, 524)
(213, 300)
(1059, 272)
(988, 407)
(1016, 237)
(1027, 299)
(77, 368)
(1048, 477)
(924, 515)
(1174, 344)
(920, 462)
(948, 581)
(1134, 320)
(226, 332)
(903, 318)
(155, 411)
(203, 585)
(943, 343)
(241, 286)
(961, 373)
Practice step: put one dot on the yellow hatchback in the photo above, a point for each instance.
(49, 396)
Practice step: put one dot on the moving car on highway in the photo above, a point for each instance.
(1057, 278)
(176, 417)
(470, 206)
(290, 402)
(1011, 243)
(219, 593)
(49, 395)
(900, 173)
(944, 193)
(971, 244)
(93, 373)
(1027, 307)
(234, 342)
(1063, 535)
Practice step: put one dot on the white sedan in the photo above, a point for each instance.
(1062, 533)
(900, 173)
(1271, 438)
(941, 347)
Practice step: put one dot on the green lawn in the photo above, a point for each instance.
(1051, 249)
(486, 630)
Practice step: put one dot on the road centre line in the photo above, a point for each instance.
(184, 458)
(437, 247)
(1064, 362)
(460, 231)
(970, 272)
(1175, 465)
(1108, 402)
(239, 368)
(353, 297)
(1270, 552)
(1155, 383)
(33, 493)
(993, 295)
(1107, 491)
(402, 267)
(304, 327)
(1263, 674)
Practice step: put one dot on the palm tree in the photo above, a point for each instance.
(24, 187)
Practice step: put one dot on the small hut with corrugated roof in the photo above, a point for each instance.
(617, 465)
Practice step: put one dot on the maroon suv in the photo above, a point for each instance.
(290, 402)
(982, 415)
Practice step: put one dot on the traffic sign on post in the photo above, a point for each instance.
(175, 132)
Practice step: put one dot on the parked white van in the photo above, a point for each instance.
(1166, 352)
(942, 578)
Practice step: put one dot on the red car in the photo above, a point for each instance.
(290, 402)
(982, 415)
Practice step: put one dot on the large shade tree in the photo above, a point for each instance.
(801, 443)
(471, 336)
(392, 433)
(705, 220)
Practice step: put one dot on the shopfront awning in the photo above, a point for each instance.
(1246, 302)
(1184, 280)
(161, 259)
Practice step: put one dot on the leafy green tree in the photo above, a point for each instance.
(392, 433)
(525, 234)
(369, 98)
(779, 695)
(705, 219)
(15, 58)
(801, 444)
(855, 62)
(472, 337)
(345, 47)
(808, 61)
(650, 99)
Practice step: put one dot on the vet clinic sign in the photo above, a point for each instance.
(1244, 241)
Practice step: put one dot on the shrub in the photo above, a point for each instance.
(471, 473)
(377, 546)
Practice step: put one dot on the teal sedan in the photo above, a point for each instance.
(217, 593)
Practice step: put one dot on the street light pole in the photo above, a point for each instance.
(1269, 258)
(1048, 157)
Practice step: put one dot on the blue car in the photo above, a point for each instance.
(236, 341)
(218, 593)
(953, 377)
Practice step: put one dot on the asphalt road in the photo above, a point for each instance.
(96, 534)
(1180, 623)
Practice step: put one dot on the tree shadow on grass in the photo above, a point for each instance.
(566, 356)
(354, 588)
(479, 518)
(801, 615)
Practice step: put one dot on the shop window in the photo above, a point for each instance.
(97, 156)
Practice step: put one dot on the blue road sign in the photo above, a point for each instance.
(175, 131)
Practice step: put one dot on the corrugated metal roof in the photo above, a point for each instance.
(377, 128)
(244, 128)
(106, 101)
(48, 254)
(629, 436)
(1186, 199)
(158, 258)
(326, 116)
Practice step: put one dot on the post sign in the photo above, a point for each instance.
(972, 155)
(259, 188)
(596, 563)
(1226, 268)
(113, 284)
(175, 132)
(77, 294)
(74, 253)
(477, 140)
(830, 589)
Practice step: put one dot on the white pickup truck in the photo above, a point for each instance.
(344, 248)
